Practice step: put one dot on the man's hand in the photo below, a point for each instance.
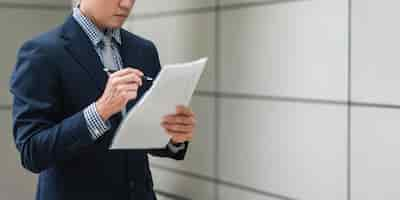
(180, 126)
(122, 86)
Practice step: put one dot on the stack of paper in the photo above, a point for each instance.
(174, 86)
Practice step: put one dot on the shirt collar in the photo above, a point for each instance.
(95, 34)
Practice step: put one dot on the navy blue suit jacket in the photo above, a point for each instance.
(57, 75)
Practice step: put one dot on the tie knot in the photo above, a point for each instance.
(107, 40)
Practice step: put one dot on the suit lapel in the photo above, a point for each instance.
(130, 54)
(82, 50)
(131, 57)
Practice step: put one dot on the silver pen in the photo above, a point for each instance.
(144, 77)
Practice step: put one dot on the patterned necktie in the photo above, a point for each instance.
(109, 60)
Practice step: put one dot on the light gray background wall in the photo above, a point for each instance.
(298, 100)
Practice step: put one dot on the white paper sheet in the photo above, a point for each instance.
(141, 128)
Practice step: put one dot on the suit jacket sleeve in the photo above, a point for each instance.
(164, 152)
(43, 135)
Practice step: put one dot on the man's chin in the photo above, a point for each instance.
(116, 24)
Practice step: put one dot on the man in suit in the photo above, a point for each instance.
(66, 108)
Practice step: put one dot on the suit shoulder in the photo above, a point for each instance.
(41, 51)
(47, 41)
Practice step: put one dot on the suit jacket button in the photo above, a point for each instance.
(131, 184)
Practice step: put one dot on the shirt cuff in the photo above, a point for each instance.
(97, 127)
(175, 148)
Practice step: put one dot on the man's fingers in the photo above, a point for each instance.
(129, 78)
(122, 72)
(176, 119)
(178, 128)
(183, 110)
(178, 135)
(137, 72)
(126, 71)
(122, 86)
(127, 88)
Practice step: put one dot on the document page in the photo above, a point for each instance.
(141, 127)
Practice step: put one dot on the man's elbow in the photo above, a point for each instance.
(29, 162)
(31, 168)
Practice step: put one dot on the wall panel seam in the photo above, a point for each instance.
(222, 182)
(209, 9)
(31, 6)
